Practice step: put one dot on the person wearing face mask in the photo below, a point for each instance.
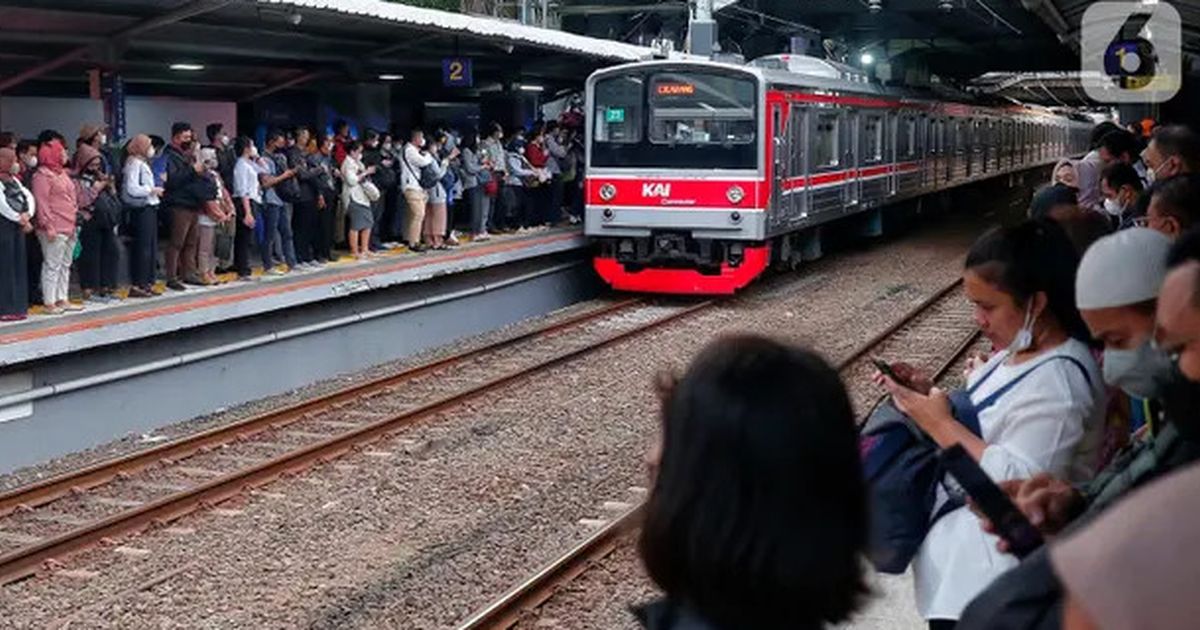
(327, 198)
(92, 136)
(142, 196)
(1038, 401)
(219, 141)
(17, 209)
(186, 191)
(247, 204)
(1173, 150)
(100, 212)
(57, 211)
(1174, 205)
(1118, 289)
(1121, 186)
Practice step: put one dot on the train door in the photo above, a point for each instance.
(895, 122)
(780, 167)
(851, 141)
(825, 167)
(798, 136)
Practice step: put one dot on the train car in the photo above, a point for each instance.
(700, 174)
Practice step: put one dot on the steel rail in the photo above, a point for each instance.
(535, 590)
(24, 562)
(48, 490)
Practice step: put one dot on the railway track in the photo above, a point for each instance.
(46, 521)
(941, 317)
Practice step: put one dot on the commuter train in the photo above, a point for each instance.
(700, 174)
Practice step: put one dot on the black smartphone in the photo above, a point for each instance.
(1011, 525)
(887, 371)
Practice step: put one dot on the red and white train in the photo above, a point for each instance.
(700, 174)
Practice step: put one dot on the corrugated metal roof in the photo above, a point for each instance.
(476, 26)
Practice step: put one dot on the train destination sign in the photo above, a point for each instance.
(675, 89)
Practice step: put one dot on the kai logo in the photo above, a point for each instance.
(656, 190)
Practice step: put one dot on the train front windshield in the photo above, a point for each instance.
(675, 120)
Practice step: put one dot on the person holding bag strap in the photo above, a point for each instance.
(1037, 409)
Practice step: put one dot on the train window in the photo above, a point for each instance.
(906, 137)
(701, 109)
(618, 115)
(873, 138)
(825, 141)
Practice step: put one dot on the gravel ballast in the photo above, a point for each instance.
(419, 530)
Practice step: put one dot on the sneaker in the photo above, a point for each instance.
(453, 239)
(176, 285)
(139, 292)
(483, 236)
(273, 272)
(418, 248)
(574, 220)
(194, 281)
(245, 279)
(54, 310)
(73, 307)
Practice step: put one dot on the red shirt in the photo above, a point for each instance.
(339, 151)
(536, 155)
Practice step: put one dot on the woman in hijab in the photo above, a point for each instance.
(54, 192)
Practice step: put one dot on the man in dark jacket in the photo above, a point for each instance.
(304, 206)
(185, 191)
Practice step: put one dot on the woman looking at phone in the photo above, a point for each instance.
(1039, 400)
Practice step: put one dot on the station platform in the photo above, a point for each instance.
(103, 324)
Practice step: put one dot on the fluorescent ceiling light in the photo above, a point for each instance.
(391, 77)
(532, 88)
(187, 67)
(867, 59)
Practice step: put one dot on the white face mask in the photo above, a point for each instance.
(1140, 372)
(150, 153)
(1024, 338)
(1113, 207)
(224, 140)
(103, 139)
(31, 162)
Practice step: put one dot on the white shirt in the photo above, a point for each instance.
(7, 211)
(245, 181)
(138, 188)
(1051, 421)
(410, 171)
(352, 179)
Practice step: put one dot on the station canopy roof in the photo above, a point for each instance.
(245, 49)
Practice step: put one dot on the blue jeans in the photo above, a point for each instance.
(277, 223)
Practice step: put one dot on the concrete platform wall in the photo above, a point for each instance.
(236, 361)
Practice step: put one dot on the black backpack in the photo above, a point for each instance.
(288, 189)
(427, 178)
(107, 209)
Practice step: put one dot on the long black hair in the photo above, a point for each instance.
(758, 516)
(1030, 257)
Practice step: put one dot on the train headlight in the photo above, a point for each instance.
(608, 192)
(735, 194)
(735, 217)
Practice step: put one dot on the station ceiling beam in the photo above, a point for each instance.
(190, 10)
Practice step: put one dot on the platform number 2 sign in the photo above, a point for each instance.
(456, 72)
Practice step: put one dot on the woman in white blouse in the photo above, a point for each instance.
(1039, 401)
(359, 219)
(141, 195)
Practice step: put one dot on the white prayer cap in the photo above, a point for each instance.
(1123, 268)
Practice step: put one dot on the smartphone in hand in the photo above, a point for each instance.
(886, 369)
(1011, 525)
